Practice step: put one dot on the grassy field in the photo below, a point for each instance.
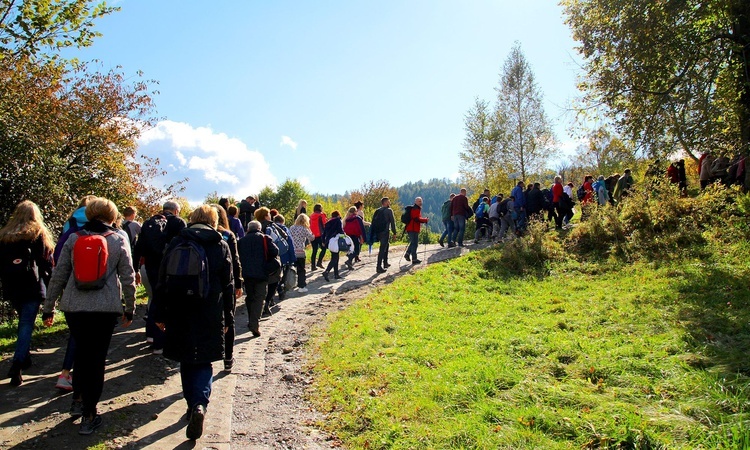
(590, 355)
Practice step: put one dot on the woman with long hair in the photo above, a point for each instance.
(301, 236)
(26, 247)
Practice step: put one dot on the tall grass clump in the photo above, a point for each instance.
(531, 254)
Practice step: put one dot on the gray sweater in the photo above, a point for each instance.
(119, 285)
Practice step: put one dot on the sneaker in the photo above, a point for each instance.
(349, 265)
(386, 265)
(64, 383)
(302, 290)
(89, 424)
(379, 270)
(157, 351)
(76, 409)
(407, 257)
(228, 364)
(320, 264)
(451, 244)
(195, 426)
(416, 261)
(325, 275)
(441, 243)
(149, 340)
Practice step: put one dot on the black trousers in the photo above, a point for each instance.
(384, 239)
(93, 333)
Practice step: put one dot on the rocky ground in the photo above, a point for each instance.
(259, 405)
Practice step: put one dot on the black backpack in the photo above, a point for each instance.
(580, 193)
(17, 265)
(153, 235)
(502, 208)
(186, 270)
(406, 215)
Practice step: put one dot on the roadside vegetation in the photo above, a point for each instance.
(630, 331)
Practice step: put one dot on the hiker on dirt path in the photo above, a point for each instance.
(413, 228)
(317, 224)
(382, 222)
(333, 229)
(26, 247)
(194, 307)
(301, 235)
(445, 212)
(255, 254)
(460, 212)
(92, 307)
(354, 227)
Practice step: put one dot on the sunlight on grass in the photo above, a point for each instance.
(642, 356)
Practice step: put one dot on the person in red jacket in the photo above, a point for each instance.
(460, 211)
(412, 229)
(557, 192)
(317, 223)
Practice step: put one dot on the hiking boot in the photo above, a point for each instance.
(320, 264)
(256, 332)
(386, 265)
(195, 426)
(228, 364)
(312, 268)
(76, 409)
(16, 379)
(415, 262)
(325, 275)
(349, 265)
(441, 243)
(407, 257)
(451, 244)
(64, 383)
(89, 424)
(380, 270)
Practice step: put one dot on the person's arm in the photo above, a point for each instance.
(60, 275)
(126, 273)
(226, 276)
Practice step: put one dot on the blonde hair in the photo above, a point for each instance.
(27, 223)
(101, 209)
(352, 210)
(303, 220)
(261, 213)
(205, 214)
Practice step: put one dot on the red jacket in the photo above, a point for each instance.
(354, 226)
(315, 222)
(416, 219)
(557, 192)
(589, 190)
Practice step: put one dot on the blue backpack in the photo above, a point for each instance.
(186, 270)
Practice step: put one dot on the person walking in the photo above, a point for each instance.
(257, 251)
(354, 227)
(460, 212)
(26, 248)
(195, 320)
(383, 221)
(333, 228)
(445, 213)
(301, 235)
(412, 229)
(92, 313)
(317, 224)
(235, 224)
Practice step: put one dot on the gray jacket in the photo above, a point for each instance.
(120, 283)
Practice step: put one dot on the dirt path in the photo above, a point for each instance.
(260, 405)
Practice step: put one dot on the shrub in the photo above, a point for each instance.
(528, 255)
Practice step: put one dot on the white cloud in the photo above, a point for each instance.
(287, 141)
(304, 181)
(221, 163)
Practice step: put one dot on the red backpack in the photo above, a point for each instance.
(90, 255)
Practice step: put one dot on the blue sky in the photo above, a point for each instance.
(333, 93)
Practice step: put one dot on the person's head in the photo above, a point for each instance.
(418, 201)
(303, 220)
(452, 196)
(262, 214)
(352, 210)
(529, 186)
(253, 226)
(301, 204)
(463, 191)
(205, 215)
(601, 178)
(250, 199)
(486, 192)
(500, 196)
(520, 184)
(511, 197)
(358, 204)
(102, 210)
(627, 171)
(85, 200)
(232, 211)
(570, 184)
(537, 185)
(318, 208)
(273, 213)
(278, 218)
(27, 223)
(486, 200)
(224, 202)
(172, 207)
(385, 201)
(558, 179)
(129, 213)
(335, 214)
(223, 222)
(588, 178)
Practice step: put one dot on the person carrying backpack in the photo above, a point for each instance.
(26, 248)
(354, 227)
(482, 219)
(94, 276)
(156, 233)
(460, 212)
(382, 222)
(334, 227)
(194, 307)
(445, 213)
(259, 259)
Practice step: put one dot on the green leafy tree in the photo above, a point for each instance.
(43, 27)
(674, 74)
(285, 198)
(479, 157)
(524, 135)
(604, 154)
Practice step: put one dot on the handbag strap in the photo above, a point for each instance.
(265, 248)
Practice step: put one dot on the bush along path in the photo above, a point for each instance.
(259, 404)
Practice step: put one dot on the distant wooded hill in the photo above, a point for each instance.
(433, 192)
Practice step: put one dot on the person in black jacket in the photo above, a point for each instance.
(333, 228)
(535, 200)
(255, 250)
(194, 327)
(26, 247)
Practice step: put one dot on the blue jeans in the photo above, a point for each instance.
(459, 228)
(196, 383)
(27, 312)
(70, 353)
(448, 231)
(413, 244)
(521, 219)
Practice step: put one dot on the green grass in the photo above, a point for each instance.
(592, 356)
(43, 335)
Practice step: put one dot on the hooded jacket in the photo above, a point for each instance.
(195, 328)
